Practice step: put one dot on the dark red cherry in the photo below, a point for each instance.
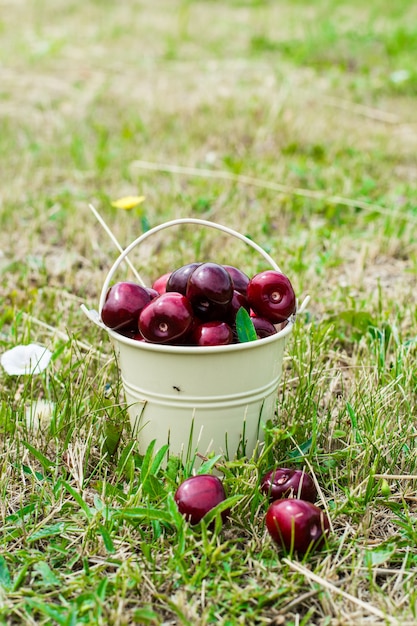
(166, 319)
(153, 292)
(123, 304)
(239, 278)
(212, 334)
(179, 278)
(130, 333)
(197, 495)
(297, 525)
(263, 327)
(238, 300)
(137, 336)
(160, 283)
(271, 295)
(210, 290)
(283, 482)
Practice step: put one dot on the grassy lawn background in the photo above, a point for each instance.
(294, 123)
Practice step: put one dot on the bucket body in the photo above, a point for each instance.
(201, 399)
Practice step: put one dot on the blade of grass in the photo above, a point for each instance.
(116, 243)
(43, 460)
(278, 187)
(78, 499)
(244, 326)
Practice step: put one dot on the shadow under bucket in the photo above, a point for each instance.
(212, 399)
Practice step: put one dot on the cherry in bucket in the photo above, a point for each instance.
(210, 291)
(166, 319)
(238, 300)
(179, 278)
(123, 304)
(215, 333)
(263, 327)
(198, 495)
(160, 283)
(297, 525)
(271, 295)
(239, 278)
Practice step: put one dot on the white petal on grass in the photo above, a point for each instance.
(39, 413)
(400, 76)
(26, 359)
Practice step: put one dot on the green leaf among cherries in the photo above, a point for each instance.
(244, 326)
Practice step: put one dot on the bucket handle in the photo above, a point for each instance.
(95, 316)
(176, 222)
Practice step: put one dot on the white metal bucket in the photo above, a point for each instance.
(198, 399)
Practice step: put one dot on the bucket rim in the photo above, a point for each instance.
(200, 350)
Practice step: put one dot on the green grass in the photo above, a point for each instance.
(295, 124)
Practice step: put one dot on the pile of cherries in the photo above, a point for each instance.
(197, 304)
(293, 521)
